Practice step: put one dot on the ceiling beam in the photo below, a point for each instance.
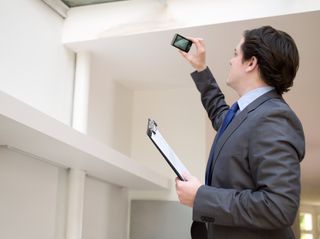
(58, 6)
(141, 16)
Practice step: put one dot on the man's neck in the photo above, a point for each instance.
(244, 89)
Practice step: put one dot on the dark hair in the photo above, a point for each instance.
(276, 53)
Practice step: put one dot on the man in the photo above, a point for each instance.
(252, 185)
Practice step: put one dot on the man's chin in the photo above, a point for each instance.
(228, 82)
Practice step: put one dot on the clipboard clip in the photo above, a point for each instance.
(152, 127)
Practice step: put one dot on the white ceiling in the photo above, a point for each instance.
(151, 63)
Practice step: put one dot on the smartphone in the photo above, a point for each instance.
(181, 43)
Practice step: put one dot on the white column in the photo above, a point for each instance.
(75, 204)
(81, 92)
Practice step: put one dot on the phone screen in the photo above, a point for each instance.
(181, 43)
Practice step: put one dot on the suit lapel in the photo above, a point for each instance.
(239, 119)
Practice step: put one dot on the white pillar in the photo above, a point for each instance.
(81, 92)
(75, 204)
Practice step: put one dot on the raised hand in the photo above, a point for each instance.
(198, 59)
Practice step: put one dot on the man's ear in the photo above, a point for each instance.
(252, 63)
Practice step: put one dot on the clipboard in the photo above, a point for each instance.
(165, 149)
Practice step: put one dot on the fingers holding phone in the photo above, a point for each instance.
(197, 59)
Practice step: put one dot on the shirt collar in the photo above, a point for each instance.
(250, 96)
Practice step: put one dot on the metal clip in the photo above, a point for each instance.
(152, 125)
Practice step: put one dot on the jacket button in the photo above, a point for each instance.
(207, 219)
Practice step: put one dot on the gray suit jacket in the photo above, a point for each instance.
(255, 187)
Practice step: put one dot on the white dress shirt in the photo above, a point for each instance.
(249, 97)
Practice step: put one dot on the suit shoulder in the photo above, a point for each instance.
(276, 116)
(276, 107)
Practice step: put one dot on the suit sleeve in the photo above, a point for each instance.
(276, 148)
(211, 96)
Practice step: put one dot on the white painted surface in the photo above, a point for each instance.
(34, 200)
(28, 199)
(81, 92)
(35, 67)
(62, 201)
(105, 211)
(110, 109)
(142, 16)
(31, 131)
(76, 187)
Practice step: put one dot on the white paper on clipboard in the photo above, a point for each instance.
(165, 149)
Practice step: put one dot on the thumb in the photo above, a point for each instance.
(187, 176)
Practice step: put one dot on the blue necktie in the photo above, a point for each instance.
(227, 119)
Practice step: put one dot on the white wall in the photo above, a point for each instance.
(181, 121)
(38, 70)
(35, 67)
(31, 201)
(109, 121)
(105, 211)
(110, 110)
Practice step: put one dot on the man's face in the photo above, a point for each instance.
(237, 67)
